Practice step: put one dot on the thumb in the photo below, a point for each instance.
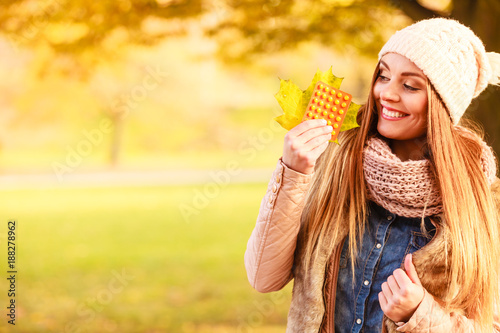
(410, 270)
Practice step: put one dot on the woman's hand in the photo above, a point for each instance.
(305, 143)
(402, 293)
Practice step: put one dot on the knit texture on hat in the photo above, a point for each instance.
(408, 188)
(450, 55)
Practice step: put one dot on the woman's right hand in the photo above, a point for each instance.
(305, 143)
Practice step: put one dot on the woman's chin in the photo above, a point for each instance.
(389, 133)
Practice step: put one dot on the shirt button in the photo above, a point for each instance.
(379, 245)
(278, 179)
(366, 282)
(389, 218)
(271, 199)
(275, 188)
(358, 321)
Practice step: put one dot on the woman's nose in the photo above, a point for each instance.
(389, 93)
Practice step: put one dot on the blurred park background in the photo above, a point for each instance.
(136, 140)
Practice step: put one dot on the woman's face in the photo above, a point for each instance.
(401, 98)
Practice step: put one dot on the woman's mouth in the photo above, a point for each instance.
(392, 114)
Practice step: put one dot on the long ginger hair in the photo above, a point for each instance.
(337, 205)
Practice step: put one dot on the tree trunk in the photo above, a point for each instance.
(485, 110)
(483, 19)
(116, 140)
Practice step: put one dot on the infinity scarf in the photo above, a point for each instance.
(408, 188)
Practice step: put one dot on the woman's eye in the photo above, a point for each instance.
(383, 78)
(410, 87)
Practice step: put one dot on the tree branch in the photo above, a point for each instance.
(464, 11)
(414, 10)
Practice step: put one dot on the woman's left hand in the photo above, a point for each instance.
(402, 293)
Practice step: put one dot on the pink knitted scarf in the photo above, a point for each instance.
(408, 188)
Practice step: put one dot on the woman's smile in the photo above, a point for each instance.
(392, 114)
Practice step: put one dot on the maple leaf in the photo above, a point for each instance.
(289, 98)
(294, 101)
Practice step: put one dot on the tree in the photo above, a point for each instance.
(78, 35)
(248, 27)
(269, 26)
(83, 31)
(76, 29)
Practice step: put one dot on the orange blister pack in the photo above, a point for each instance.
(330, 104)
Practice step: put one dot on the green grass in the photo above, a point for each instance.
(181, 275)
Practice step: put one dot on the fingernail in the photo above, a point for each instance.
(323, 121)
(330, 128)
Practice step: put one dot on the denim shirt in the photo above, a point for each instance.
(388, 238)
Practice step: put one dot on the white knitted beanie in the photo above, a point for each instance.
(451, 56)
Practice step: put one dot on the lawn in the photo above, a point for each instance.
(126, 260)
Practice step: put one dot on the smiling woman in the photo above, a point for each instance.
(410, 169)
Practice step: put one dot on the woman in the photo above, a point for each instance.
(396, 229)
